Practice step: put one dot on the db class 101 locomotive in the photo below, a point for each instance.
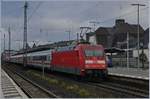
(80, 59)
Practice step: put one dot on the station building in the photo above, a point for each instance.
(116, 37)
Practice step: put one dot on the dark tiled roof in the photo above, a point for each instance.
(131, 28)
(118, 33)
(123, 28)
(102, 30)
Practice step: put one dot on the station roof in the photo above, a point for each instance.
(47, 46)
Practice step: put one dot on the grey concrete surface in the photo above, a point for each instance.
(129, 72)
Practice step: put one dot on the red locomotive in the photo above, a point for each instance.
(83, 59)
(79, 59)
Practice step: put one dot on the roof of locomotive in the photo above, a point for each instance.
(90, 47)
(72, 47)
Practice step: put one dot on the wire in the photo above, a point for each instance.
(40, 3)
(34, 11)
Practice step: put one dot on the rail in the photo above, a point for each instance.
(30, 86)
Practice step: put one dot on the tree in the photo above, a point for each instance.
(143, 58)
(34, 45)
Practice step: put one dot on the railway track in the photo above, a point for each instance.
(30, 88)
(129, 87)
(136, 82)
(9, 88)
(122, 89)
(125, 87)
(132, 87)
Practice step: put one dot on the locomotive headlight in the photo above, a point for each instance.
(101, 61)
(88, 61)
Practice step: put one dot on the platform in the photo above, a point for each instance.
(9, 88)
(129, 72)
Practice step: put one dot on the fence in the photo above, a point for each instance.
(133, 63)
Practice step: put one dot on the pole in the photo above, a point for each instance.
(18, 44)
(143, 56)
(68, 34)
(138, 31)
(127, 49)
(94, 24)
(9, 42)
(138, 38)
(77, 37)
(25, 35)
(4, 42)
(43, 68)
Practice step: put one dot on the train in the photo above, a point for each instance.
(84, 60)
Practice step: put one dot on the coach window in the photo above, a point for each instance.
(43, 58)
(28, 57)
(35, 57)
(48, 58)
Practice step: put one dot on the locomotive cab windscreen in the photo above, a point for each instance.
(94, 57)
(94, 53)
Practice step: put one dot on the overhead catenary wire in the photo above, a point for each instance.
(123, 15)
(40, 3)
(31, 15)
(107, 20)
(35, 10)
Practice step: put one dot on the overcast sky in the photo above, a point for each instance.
(49, 20)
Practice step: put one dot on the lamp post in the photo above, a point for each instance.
(142, 55)
(4, 42)
(94, 24)
(68, 34)
(138, 6)
(127, 49)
